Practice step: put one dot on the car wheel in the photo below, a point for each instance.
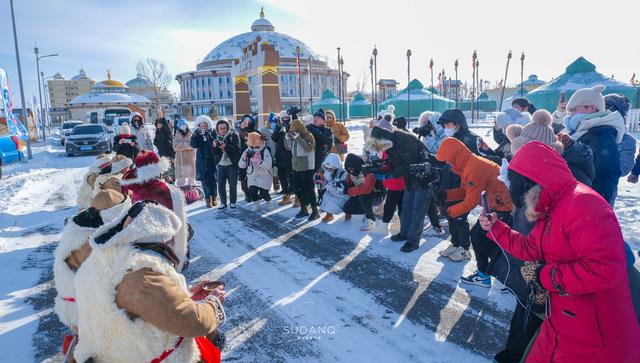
(69, 154)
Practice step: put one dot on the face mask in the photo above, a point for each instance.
(449, 132)
(573, 121)
(272, 126)
(183, 127)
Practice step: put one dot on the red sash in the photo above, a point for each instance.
(208, 352)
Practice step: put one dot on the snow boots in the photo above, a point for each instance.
(286, 200)
(304, 212)
(276, 184)
(315, 214)
(296, 202)
(327, 218)
(211, 201)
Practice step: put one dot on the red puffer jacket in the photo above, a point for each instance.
(578, 238)
(396, 184)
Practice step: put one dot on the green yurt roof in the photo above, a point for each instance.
(420, 100)
(328, 97)
(359, 99)
(579, 74)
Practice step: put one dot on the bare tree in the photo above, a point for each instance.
(362, 82)
(155, 72)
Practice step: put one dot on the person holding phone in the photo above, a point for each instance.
(226, 155)
(477, 175)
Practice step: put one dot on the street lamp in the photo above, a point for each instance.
(24, 105)
(38, 57)
(47, 100)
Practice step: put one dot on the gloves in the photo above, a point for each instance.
(440, 195)
(256, 157)
(531, 274)
(565, 139)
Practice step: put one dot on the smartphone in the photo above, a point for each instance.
(563, 97)
(485, 203)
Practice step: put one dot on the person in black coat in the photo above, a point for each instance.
(579, 158)
(226, 155)
(163, 140)
(283, 158)
(202, 140)
(323, 136)
(406, 150)
(126, 143)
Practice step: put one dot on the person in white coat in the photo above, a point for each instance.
(85, 192)
(259, 163)
(333, 182)
(139, 129)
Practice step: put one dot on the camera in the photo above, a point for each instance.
(423, 131)
(250, 152)
(293, 112)
(373, 164)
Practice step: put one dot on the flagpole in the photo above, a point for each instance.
(522, 75)
(408, 89)
(299, 78)
(504, 83)
(455, 66)
(432, 89)
(373, 87)
(310, 86)
(339, 85)
(473, 84)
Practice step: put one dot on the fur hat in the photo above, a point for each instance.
(255, 139)
(539, 129)
(425, 117)
(284, 114)
(151, 223)
(333, 114)
(320, 113)
(110, 204)
(125, 129)
(148, 166)
(204, 119)
(389, 113)
(101, 161)
(119, 163)
(308, 119)
(587, 97)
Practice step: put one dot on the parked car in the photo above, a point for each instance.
(89, 138)
(10, 151)
(66, 128)
(120, 120)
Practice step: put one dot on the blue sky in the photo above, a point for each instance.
(98, 35)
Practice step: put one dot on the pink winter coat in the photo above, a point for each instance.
(578, 238)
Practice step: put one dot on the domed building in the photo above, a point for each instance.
(109, 94)
(141, 86)
(212, 85)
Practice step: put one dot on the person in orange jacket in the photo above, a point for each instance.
(340, 135)
(478, 175)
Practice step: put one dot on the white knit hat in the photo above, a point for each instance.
(587, 97)
(283, 114)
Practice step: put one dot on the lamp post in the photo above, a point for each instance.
(408, 88)
(479, 87)
(473, 84)
(432, 89)
(38, 57)
(46, 98)
(339, 85)
(24, 104)
(522, 75)
(343, 106)
(504, 83)
(310, 85)
(375, 76)
(455, 67)
(373, 88)
(299, 78)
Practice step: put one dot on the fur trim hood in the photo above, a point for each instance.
(377, 145)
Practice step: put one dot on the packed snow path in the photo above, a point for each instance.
(298, 291)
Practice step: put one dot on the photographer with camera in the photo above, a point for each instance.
(478, 175)
(256, 159)
(364, 191)
(410, 159)
(302, 144)
(226, 152)
(333, 183)
(283, 157)
(323, 137)
(430, 131)
(247, 125)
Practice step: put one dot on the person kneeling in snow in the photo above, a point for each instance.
(364, 191)
(74, 249)
(257, 162)
(134, 305)
(333, 182)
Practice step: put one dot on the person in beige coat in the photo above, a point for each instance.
(85, 191)
(133, 304)
(185, 162)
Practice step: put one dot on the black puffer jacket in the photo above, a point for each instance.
(606, 159)
(163, 140)
(406, 150)
(579, 157)
(283, 156)
(202, 141)
(324, 142)
(232, 141)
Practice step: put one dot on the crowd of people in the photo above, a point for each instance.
(547, 232)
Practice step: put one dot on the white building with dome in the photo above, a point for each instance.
(211, 84)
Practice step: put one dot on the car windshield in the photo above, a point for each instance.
(87, 130)
(122, 121)
(70, 125)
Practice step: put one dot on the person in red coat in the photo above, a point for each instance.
(575, 255)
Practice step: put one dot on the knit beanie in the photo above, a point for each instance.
(284, 114)
(539, 129)
(320, 113)
(511, 116)
(400, 122)
(587, 97)
(614, 102)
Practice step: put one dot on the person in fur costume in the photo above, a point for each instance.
(133, 304)
(74, 249)
(333, 182)
(85, 192)
(109, 177)
(257, 161)
(143, 183)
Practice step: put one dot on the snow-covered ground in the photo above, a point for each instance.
(299, 291)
